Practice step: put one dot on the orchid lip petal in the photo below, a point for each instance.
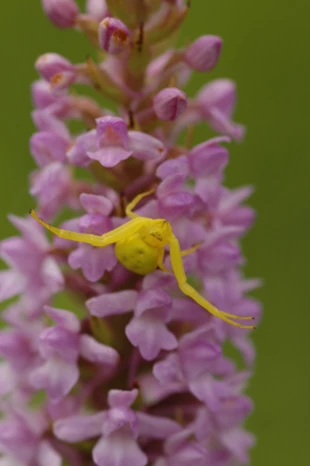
(110, 156)
(118, 450)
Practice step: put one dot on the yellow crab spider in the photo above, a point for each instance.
(140, 247)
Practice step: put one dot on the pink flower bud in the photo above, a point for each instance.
(203, 54)
(62, 13)
(169, 103)
(113, 35)
(97, 9)
(56, 69)
(62, 80)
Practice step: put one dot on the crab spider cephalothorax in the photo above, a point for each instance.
(140, 247)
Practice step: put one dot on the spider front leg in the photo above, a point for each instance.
(111, 237)
(184, 253)
(129, 209)
(160, 261)
(188, 251)
(178, 269)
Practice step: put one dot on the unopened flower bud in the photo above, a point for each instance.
(97, 9)
(203, 54)
(169, 103)
(62, 80)
(62, 13)
(51, 65)
(113, 35)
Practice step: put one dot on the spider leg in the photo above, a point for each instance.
(185, 252)
(188, 251)
(134, 202)
(160, 261)
(178, 269)
(111, 237)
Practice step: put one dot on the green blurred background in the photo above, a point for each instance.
(266, 50)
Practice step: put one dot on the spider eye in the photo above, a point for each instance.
(157, 235)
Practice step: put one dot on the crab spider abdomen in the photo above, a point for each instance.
(136, 255)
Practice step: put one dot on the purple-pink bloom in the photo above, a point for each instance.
(60, 346)
(118, 446)
(115, 143)
(120, 427)
(147, 330)
(216, 102)
(112, 142)
(93, 263)
(133, 371)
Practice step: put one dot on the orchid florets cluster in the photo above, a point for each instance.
(132, 372)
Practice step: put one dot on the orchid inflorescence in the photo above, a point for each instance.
(133, 371)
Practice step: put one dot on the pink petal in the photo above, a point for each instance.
(150, 335)
(220, 93)
(30, 230)
(8, 378)
(118, 449)
(122, 398)
(56, 376)
(47, 455)
(98, 353)
(93, 203)
(78, 428)
(177, 166)
(168, 371)
(170, 185)
(110, 156)
(63, 318)
(156, 426)
(152, 298)
(145, 147)
(238, 442)
(206, 159)
(111, 131)
(93, 261)
(11, 284)
(221, 123)
(59, 341)
(112, 303)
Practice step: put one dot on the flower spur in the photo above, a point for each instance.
(140, 247)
